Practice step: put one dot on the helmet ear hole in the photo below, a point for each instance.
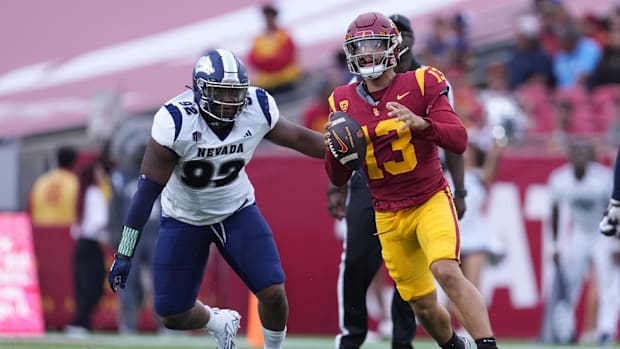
(220, 84)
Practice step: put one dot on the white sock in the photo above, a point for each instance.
(215, 322)
(274, 339)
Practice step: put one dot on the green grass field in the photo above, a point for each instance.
(113, 341)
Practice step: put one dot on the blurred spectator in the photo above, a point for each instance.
(459, 44)
(607, 70)
(139, 290)
(613, 21)
(90, 234)
(436, 46)
(576, 59)
(504, 118)
(593, 27)
(53, 199)
(552, 15)
(576, 241)
(528, 61)
(273, 56)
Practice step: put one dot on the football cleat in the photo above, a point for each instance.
(225, 336)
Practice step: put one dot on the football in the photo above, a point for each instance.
(347, 141)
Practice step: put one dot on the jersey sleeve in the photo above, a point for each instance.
(273, 110)
(432, 84)
(446, 128)
(163, 130)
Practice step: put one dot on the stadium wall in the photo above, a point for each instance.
(291, 194)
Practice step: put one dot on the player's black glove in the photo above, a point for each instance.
(610, 223)
(119, 272)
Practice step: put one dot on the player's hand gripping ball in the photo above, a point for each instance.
(346, 141)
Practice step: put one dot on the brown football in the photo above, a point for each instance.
(347, 141)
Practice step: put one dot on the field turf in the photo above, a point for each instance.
(113, 341)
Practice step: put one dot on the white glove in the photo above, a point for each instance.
(610, 224)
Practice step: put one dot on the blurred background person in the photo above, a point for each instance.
(54, 195)
(52, 205)
(505, 120)
(580, 192)
(91, 235)
(528, 62)
(577, 57)
(273, 56)
(476, 246)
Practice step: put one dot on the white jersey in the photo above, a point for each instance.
(585, 199)
(209, 182)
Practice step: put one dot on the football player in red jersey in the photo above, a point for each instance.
(405, 117)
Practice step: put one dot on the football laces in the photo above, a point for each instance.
(331, 146)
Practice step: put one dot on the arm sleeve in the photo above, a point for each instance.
(142, 202)
(338, 174)
(446, 129)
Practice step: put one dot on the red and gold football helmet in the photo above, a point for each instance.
(372, 45)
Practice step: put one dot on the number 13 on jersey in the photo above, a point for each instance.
(401, 144)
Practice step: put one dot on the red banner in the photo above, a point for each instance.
(20, 300)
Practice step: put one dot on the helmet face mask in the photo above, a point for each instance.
(220, 86)
(372, 45)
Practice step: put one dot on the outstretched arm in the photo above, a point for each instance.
(291, 135)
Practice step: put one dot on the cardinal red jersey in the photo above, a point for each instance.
(402, 166)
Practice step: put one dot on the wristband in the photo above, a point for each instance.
(614, 202)
(129, 241)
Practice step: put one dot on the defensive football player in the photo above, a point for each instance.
(406, 116)
(201, 141)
